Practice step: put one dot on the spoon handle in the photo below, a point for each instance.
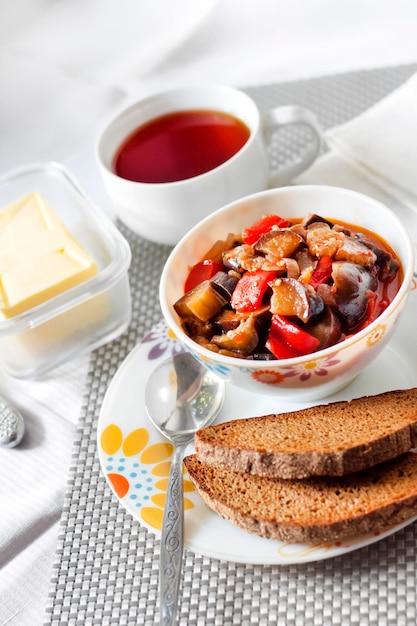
(172, 541)
(12, 426)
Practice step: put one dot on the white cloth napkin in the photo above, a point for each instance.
(376, 153)
(32, 486)
(382, 141)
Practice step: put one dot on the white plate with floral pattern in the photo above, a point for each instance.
(135, 458)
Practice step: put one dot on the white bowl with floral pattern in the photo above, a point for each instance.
(322, 373)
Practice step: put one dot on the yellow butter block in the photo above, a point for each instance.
(23, 221)
(39, 258)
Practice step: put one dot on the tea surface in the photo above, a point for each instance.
(180, 145)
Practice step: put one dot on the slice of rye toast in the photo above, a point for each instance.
(311, 510)
(327, 440)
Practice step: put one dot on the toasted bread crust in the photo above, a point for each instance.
(312, 510)
(333, 439)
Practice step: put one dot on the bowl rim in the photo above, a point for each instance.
(248, 364)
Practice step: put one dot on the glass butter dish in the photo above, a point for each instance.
(79, 315)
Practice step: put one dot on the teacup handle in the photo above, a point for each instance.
(279, 117)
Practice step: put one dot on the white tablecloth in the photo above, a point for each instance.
(64, 68)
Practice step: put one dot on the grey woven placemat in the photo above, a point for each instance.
(106, 565)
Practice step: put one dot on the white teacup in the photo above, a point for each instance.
(164, 211)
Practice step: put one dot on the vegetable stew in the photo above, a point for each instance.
(282, 289)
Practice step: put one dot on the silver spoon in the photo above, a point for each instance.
(12, 426)
(181, 396)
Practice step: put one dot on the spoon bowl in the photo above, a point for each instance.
(181, 396)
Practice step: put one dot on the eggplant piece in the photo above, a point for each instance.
(305, 260)
(243, 258)
(387, 265)
(279, 243)
(328, 295)
(327, 328)
(228, 319)
(212, 346)
(324, 241)
(291, 267)
(299, 229)
(236, 258)
(355, 251)
(224, 283)
(220, 246)
(292, 298)
(203, 302)
(389, 270)
(313, 218)
(352, 282)
(195, 328)
(242, 339)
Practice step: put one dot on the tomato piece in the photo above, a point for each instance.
(322, 273)
(204, 270)
(250, 289)
(294, 336)
(251, 234)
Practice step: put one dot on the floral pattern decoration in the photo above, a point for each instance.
(139, 470)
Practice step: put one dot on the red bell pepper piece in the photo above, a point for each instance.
(204, 270)
(279, 348)
(322, 273)
(251, 234)
(250, 289)
(300, 341)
